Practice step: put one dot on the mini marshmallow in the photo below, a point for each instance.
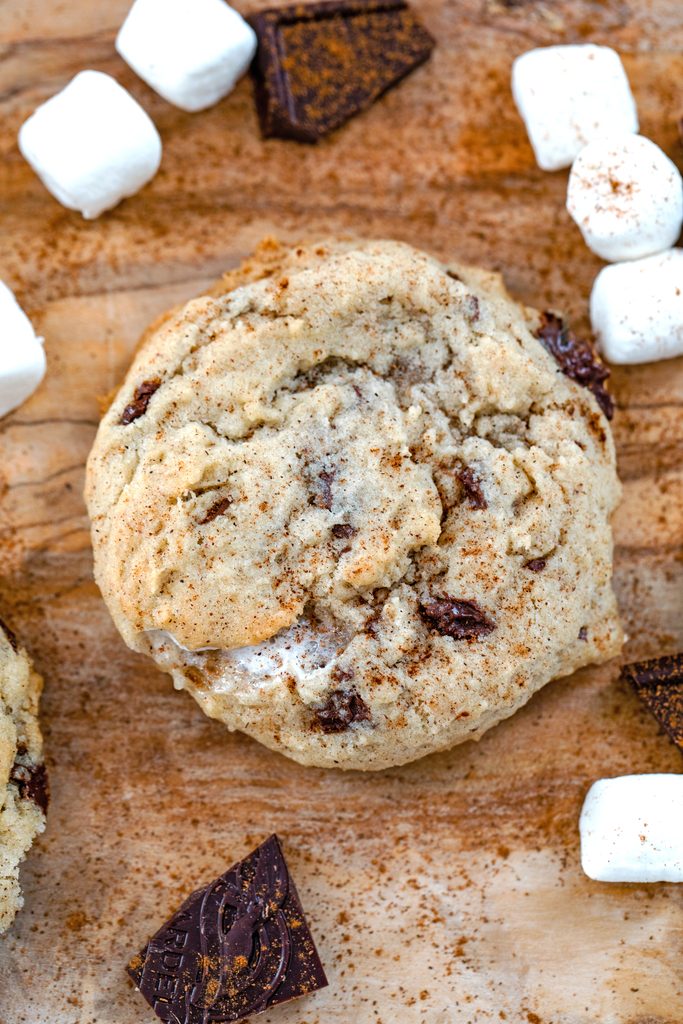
(91, 144)
(632, 829)
(192, 52)
(22, 358)
(637, 309)
(569, 95)
(626, 197)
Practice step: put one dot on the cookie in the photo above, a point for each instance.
(352, 504)
(23, 782)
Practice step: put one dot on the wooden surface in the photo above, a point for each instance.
(445, 892)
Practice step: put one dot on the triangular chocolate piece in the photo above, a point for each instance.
(319, 64)
(659, 684)
(233, 949)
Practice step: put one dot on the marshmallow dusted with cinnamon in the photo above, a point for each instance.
(637, 309)
(626, 196)
(632, 829)
(569, 95)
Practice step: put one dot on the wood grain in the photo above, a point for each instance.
(445, 892)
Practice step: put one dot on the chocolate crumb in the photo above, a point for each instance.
(472, 487)
(472, 308)
(234, 948)
(141, 399)
(342, 709)
(343, 531)
(218, 509)
(11, 636)
(461, 620)
(31, 781)
(659, 684)
(535, 564)
(319, 64)
(576, 359)
(583, 633)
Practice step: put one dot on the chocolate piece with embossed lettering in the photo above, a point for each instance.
(576, 359)
(659, 684)
(233, 949)
(319, 64)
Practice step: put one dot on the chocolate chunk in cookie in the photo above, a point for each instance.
(141, 399)
(576, 359)
(535, 564)
(462, 620)
(319, 64)
(31, 781)
(321, 489)
(219, 508)
(343, 531)
(342, 709)
(471, 486)
(234, 948)
(659, 684)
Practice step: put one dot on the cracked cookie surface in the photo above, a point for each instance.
(352, 504)
(23, 783)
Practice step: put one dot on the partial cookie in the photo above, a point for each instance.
(23, 782)
(352, 503)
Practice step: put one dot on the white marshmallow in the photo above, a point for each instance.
(192, 52)
(569, 95)
(22, 358)
(637, 309)
(91, 144)
(626, 197)
(632, 829)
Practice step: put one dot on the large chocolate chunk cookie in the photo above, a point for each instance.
(362, 513)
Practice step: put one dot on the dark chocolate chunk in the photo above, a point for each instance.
(471, 485)
(583, 633)
(233, 949)
(462, 620)
(576, 358)
(141, 399)
(31, 781)
(659, 684)
(343, 531)
(535, 564)
(319, 64)
(217, 509)
(342, 709)
(322, 498)
(11, 635)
